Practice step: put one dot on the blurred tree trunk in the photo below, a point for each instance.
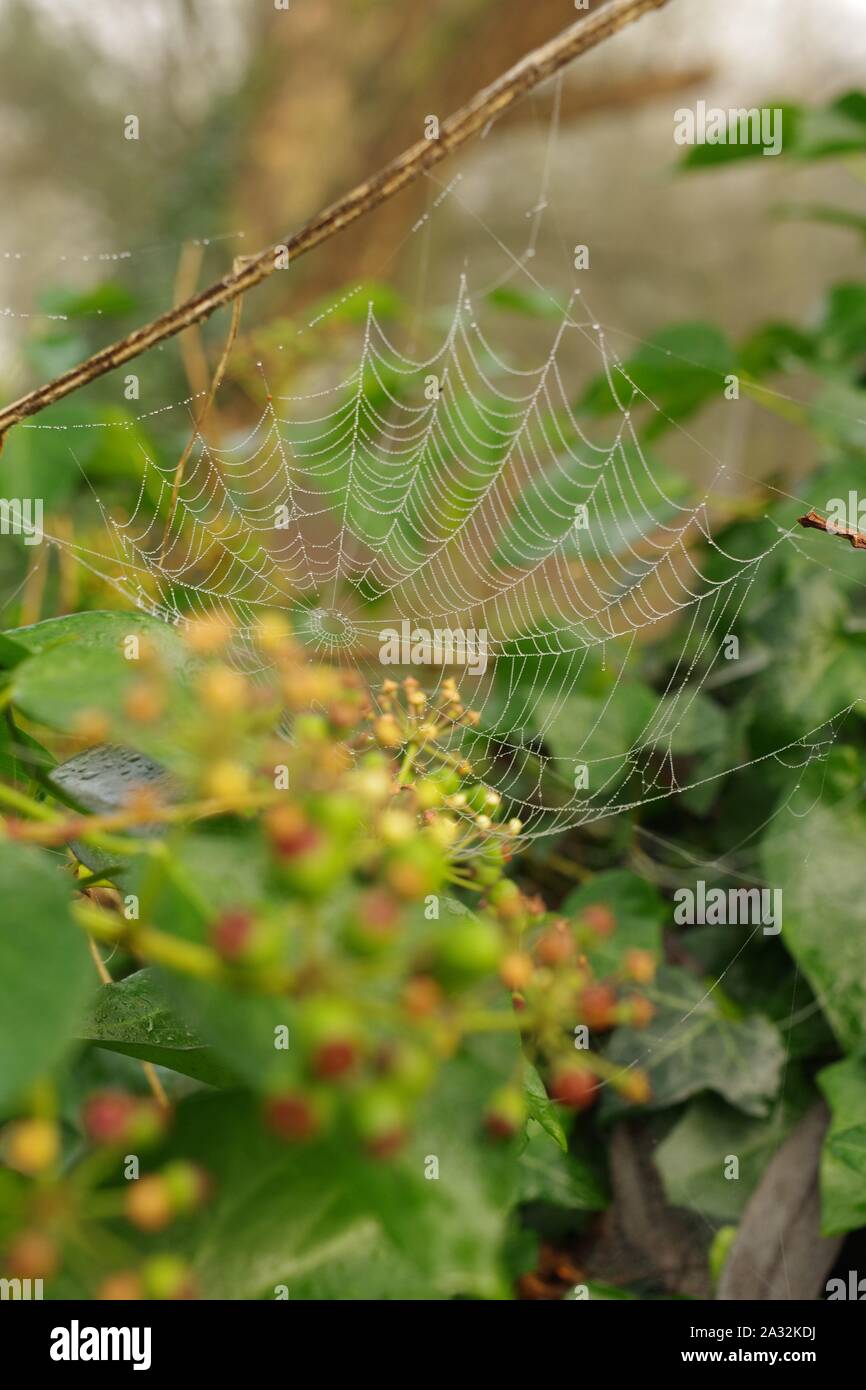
(347, 84)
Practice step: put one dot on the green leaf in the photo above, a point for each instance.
(843, 1161)
(134, 1017)
(101, 631)
(679, 369)
(600, 732)
(807, 133)
(712, 154)
(839, 128)
(332, 1224)
(816, 860)
(536, 304)
(558, 1179)
(341, 308)
(637, 907)
(628, 498)
(78, 664)
(774, 347)
(108, 300)
(692, 1157)
(842, 331)
(817, 665)
(691, 1046)
(109, 445)
(542, 1109)
(46, 973)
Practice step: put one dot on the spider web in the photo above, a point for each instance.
(461, 493)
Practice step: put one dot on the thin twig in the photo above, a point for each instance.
(814, 521)
(199, 422)
(454, 132)
(148, 1068)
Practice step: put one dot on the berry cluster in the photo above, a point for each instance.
(59, 1210)
(384, 925)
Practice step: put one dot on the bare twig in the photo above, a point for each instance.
(814, 521)
(454, 132)
(214, 387)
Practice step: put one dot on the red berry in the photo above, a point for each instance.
(32, 1255)
(107, 1116)
(598, 1007)
(335, 1058)
(291, 1116)
(573, 1086)
(231, 934)
(556, 945)
(599, 919)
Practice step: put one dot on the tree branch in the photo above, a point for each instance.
(454, 132)
(817, 522)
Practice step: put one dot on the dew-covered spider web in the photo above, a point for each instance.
(461, 514)
(455, 516)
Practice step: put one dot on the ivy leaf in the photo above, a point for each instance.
(542, 1109)
(133, 1017)
(46, 973)
(329, 1223)
(680, 369)
(843, 1161)
(817, 865)
(691, 1046)
(558, 1179)
(78, 662)
(691, 1158)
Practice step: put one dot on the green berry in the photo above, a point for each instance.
(469, 950)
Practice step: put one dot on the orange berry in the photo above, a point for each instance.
(125, 1285)
(31, 1146)
(640, 965)
(227, 781)
(422, 996)
(222, 690)
(208, 635)
(641, 1011)
(516, 970)
(33, 1255)
(148, 1203)
(91, 726)
(387, 731)
(144, 703)
(635, 1086)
